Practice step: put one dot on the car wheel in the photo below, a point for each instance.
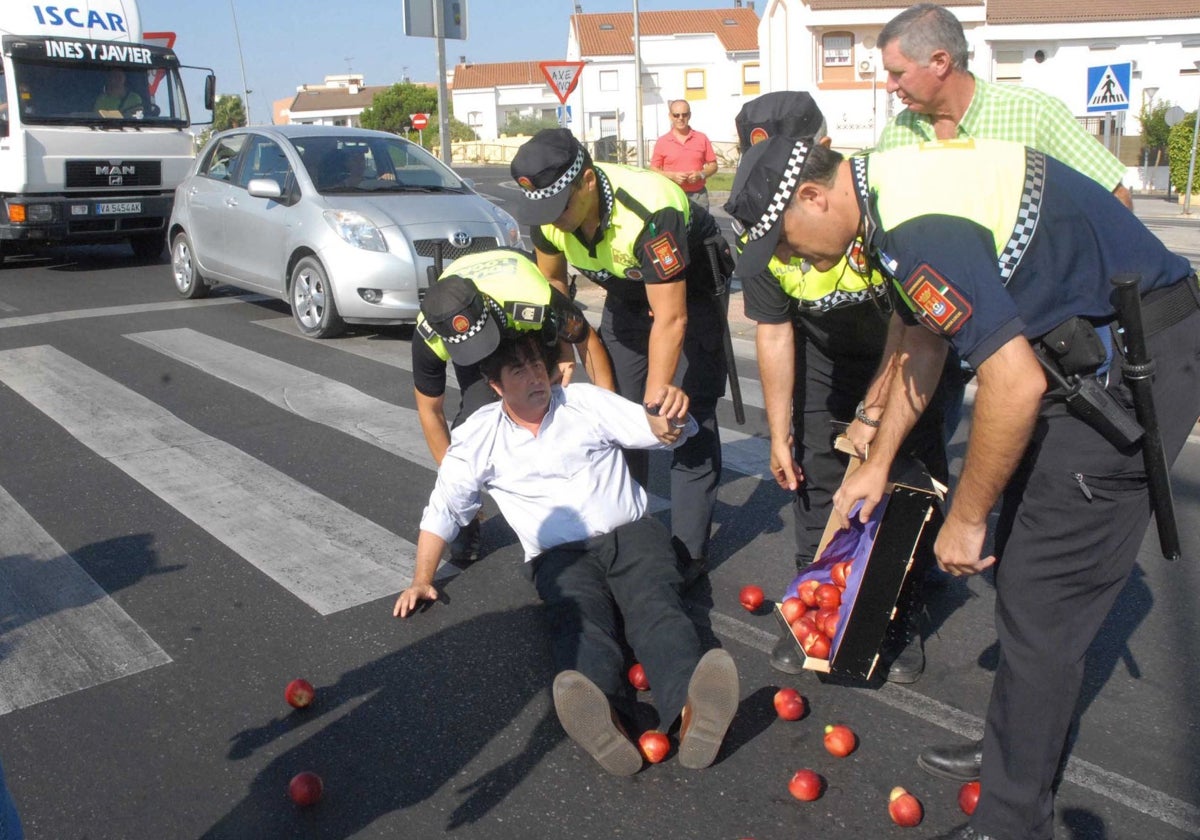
(312, 301)
(147, 247)
(188, 281)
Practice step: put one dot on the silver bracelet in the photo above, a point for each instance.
(860, 415)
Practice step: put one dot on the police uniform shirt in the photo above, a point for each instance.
(567, 483)
(834, 309)
(642, 237)
(988, 240)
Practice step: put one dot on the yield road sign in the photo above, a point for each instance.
(562, 76)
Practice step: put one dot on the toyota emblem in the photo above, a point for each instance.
(459, 239)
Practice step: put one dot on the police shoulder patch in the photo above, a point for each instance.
(664, 256)
(939, 305)
(520, 312)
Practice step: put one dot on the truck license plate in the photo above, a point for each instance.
(115, 208)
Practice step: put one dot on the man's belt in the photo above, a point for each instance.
(1162, 308)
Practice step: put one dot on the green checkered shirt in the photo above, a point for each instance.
(1021, 115)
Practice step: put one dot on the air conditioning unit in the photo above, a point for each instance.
(866, 67)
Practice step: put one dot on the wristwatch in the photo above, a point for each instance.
(860, 414)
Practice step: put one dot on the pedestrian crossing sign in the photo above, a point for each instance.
(1108, 87)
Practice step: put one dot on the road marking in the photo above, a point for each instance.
(59, 631)
(326, 555)
(317, 398)
(1091, 777)
(746, 454)
(132, 309)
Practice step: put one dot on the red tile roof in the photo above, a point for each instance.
(335, 99)
(1083, 11)
(475, 76)
(612, 34)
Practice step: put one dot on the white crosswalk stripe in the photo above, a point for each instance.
(59, 631)
(326, 555)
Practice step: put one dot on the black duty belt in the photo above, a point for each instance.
(1165, 307)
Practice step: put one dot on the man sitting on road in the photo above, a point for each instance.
(551, 458)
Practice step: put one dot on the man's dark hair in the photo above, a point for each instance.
(923, 29)
(518, 348)
(821, 165)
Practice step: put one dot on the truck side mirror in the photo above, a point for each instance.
(210, 91)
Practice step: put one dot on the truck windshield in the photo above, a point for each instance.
(95, 83)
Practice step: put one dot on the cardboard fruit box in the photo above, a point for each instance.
(881, 552)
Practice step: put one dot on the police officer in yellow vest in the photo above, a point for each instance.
(482, 294)
(819, 342)
(1007, 255)
(634, 233)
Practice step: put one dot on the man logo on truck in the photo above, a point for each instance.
(72, 16)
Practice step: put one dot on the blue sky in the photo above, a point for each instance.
(285, 44)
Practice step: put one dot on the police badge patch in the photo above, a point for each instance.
(938, 304)
(664, 255)
(519, 312)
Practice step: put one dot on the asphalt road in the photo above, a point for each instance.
(199, 505)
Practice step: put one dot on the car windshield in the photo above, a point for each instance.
(356, 164)
(81, 91)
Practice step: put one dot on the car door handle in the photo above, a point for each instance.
(231, 201)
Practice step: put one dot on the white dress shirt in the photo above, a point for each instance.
(567, 483)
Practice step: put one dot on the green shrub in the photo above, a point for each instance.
(1179, 150)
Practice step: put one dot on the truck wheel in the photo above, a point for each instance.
(312, 301)
(188, 281)
(147, 247)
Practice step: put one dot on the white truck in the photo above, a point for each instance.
(93, 127)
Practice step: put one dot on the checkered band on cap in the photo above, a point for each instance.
(490, 308)
(561, 184)
(787, 186)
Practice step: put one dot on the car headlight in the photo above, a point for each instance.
(512, 230)
(356, 229)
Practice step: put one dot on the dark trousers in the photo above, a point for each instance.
(624, 583)
(696, 465)
(1064, 556)
(828, 389)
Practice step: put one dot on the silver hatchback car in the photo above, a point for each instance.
(345, 224)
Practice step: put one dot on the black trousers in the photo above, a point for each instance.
(622, 584)
(1071, 523)
(696, 465)
(828, 389)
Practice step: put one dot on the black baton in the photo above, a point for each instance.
(721, 291)
(1138, 371)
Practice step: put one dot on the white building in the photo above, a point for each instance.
(708, 57)
(828, 48)
(485, 96)
(340, 100)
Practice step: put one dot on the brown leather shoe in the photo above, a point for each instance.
(586, 715)
(712, 701)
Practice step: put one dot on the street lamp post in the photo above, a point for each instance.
(637, 79)
(238, 38)
(1187, 199)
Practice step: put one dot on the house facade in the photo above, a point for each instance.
(708, 57)
(486, 96)
(828, 47)
(340, 100)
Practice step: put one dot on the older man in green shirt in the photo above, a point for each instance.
(924, 52)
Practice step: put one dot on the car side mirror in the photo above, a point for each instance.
(264, 188)
(210, 91)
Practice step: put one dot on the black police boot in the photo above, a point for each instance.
(904, 650)
(464, 549)
(959, 763)
(786, 656)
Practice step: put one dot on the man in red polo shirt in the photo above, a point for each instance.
(684, 155)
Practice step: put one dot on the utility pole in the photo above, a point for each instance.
(245, 89)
